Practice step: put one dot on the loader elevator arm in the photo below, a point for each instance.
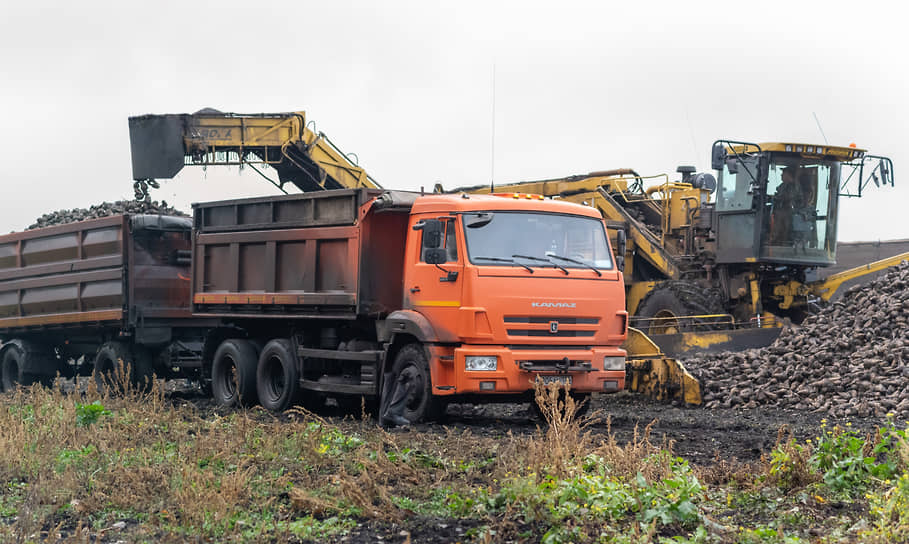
(827, 287)
(161, 145)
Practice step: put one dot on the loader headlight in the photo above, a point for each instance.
(613, 363)
(481, 362)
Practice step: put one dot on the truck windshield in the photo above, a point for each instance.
(536, 240)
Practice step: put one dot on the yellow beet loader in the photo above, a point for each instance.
(720, 263)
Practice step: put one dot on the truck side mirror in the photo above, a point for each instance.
(432, 233)
(435, 256)
(621, 243)
(717, 156)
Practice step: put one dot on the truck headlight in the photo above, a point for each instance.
(614, 363)
(481, 362)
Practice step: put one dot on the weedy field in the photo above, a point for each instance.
(150, 467)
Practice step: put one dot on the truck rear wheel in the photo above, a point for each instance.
(233, 373)
(412, 368)
(119, 366)
(277, 376)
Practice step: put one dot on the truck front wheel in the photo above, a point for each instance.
(412, 371)
(277, 376)
(233, 373)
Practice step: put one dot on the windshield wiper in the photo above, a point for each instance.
(542, 260)
(576, 261)
(501, 260)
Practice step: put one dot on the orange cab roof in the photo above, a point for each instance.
(450, 203)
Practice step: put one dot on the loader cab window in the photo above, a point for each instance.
(449, 242)
(738, 179)
(800, 208)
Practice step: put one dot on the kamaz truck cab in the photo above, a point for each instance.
(513, 287)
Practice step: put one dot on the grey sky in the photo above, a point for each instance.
(407, 86)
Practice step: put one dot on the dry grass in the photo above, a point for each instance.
(561, 446)
(140, 466)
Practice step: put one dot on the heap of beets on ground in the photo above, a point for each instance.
(849, 360)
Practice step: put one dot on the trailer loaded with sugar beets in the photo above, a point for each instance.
(307, 296)
(84, 296)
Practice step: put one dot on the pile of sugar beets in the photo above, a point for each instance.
(849, 360)
(104, 209)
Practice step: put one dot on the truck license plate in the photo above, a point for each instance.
(565, 380)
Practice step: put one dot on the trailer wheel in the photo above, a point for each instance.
(277, 376)
(412, 368)
(120, 367)
(233, 373)
(13, 362)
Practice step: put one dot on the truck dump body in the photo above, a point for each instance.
(121, 271)
(313, 255)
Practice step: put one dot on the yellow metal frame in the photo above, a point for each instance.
(826, 288)
(649, 371)
(211, 133)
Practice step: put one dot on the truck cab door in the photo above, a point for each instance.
(433, 275)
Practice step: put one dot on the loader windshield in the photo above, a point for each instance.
(800, 210)
(536, 240)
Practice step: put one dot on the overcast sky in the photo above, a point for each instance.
(408, 87)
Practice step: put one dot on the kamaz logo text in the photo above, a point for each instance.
(553, 305)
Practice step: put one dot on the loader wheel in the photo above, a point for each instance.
(277, 376)
(665, 307)
(120, 367)
(233, 373)
(412, 368)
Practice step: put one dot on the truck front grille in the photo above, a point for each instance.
(551, 326)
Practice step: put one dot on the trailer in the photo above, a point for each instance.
(85, 296)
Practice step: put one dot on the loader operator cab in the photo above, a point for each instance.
(778, 201)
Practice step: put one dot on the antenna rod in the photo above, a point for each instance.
(819, 128)
(492, 159)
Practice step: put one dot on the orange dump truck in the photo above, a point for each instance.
(315, 295)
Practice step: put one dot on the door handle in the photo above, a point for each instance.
(415, 289)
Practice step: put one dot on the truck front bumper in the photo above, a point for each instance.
(517, 369)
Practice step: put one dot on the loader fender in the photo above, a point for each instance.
(411, 323)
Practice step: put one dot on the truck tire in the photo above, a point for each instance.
(233, 373)
(115, 358)
(15, 360)
(277, 376)
(421, 404)
(669, 301)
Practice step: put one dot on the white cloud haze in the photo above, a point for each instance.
(407, 86)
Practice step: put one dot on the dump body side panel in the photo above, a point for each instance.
(64, 275)
(297, 256)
